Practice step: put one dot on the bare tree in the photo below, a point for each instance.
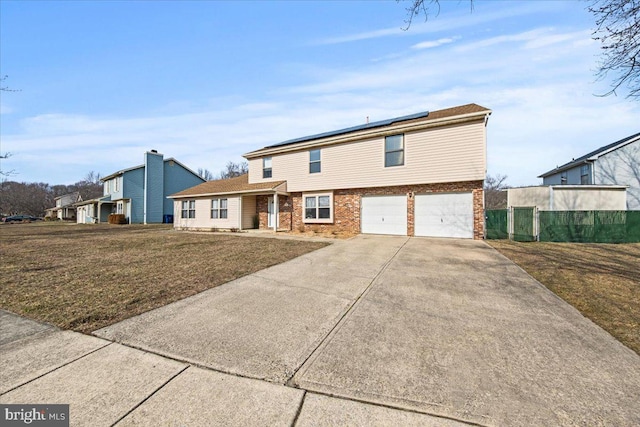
(93, 177)
(424, 7)
(6, 88)
(25, 198)
(205, 174)
(617, 27)
(234, 169)
(618, 30)
(6, 174)
(494, 196)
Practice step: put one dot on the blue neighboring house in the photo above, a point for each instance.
(140, 192)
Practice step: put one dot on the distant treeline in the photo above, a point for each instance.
(34, 198)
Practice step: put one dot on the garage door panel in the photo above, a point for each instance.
(384, 215)
(444, 215)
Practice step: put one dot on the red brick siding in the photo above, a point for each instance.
(284, 212)
(346, 205)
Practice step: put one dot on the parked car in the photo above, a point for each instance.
(21, 218)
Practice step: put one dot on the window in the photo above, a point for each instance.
(106, 188)
(219, 208)
(188, 209)
(266, 167)
(318, 208)
(563, 177)
(115, 183)
(394, 151)
(584, 175)
(120, 208)
(314, 161)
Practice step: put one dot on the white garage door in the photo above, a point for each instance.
(384, 215)
(444, 215)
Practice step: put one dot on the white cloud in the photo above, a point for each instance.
(450, 22)
(538, 82)
(434, 43)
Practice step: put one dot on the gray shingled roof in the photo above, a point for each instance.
(580, 160)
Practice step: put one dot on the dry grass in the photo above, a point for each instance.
(84, 277)
(601, 280)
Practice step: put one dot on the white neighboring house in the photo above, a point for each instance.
(65, 207)
(614, 164)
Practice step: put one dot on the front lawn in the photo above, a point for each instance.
(85, 277)
(601, 280)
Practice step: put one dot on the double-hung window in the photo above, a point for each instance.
(314, 161)
(219, 209)
(266, 167)
(394, 151)
(584, 175)
(318, 207)
(563, 178)
(188, 209)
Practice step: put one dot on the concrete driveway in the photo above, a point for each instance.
(375, 330)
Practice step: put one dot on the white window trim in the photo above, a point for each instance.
(317, 220)
(219, 209)
(189, 209)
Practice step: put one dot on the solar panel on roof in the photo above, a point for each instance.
(351, 129)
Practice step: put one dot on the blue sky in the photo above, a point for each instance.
(101, 82)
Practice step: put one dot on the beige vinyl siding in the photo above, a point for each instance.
(203, 215)
(444, 154)
(568, 198)
(587, 200)
(248, 211)
(528, 197)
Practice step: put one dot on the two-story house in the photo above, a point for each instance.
(140, 192)
(417, 175)
(617, 163)
(65, 207)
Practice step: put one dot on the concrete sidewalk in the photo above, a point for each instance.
(375, 330)
(109, 384)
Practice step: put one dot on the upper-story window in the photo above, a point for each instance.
(563, 177)
(219, 208)
(107, 191)
(314, 161)
(584, 175)
(266, 167)
(116, 183)
(394, 150)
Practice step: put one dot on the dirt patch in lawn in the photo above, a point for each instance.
(85, 277)
(601, 280)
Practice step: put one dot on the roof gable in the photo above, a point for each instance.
(165, 161)
(593, 154)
